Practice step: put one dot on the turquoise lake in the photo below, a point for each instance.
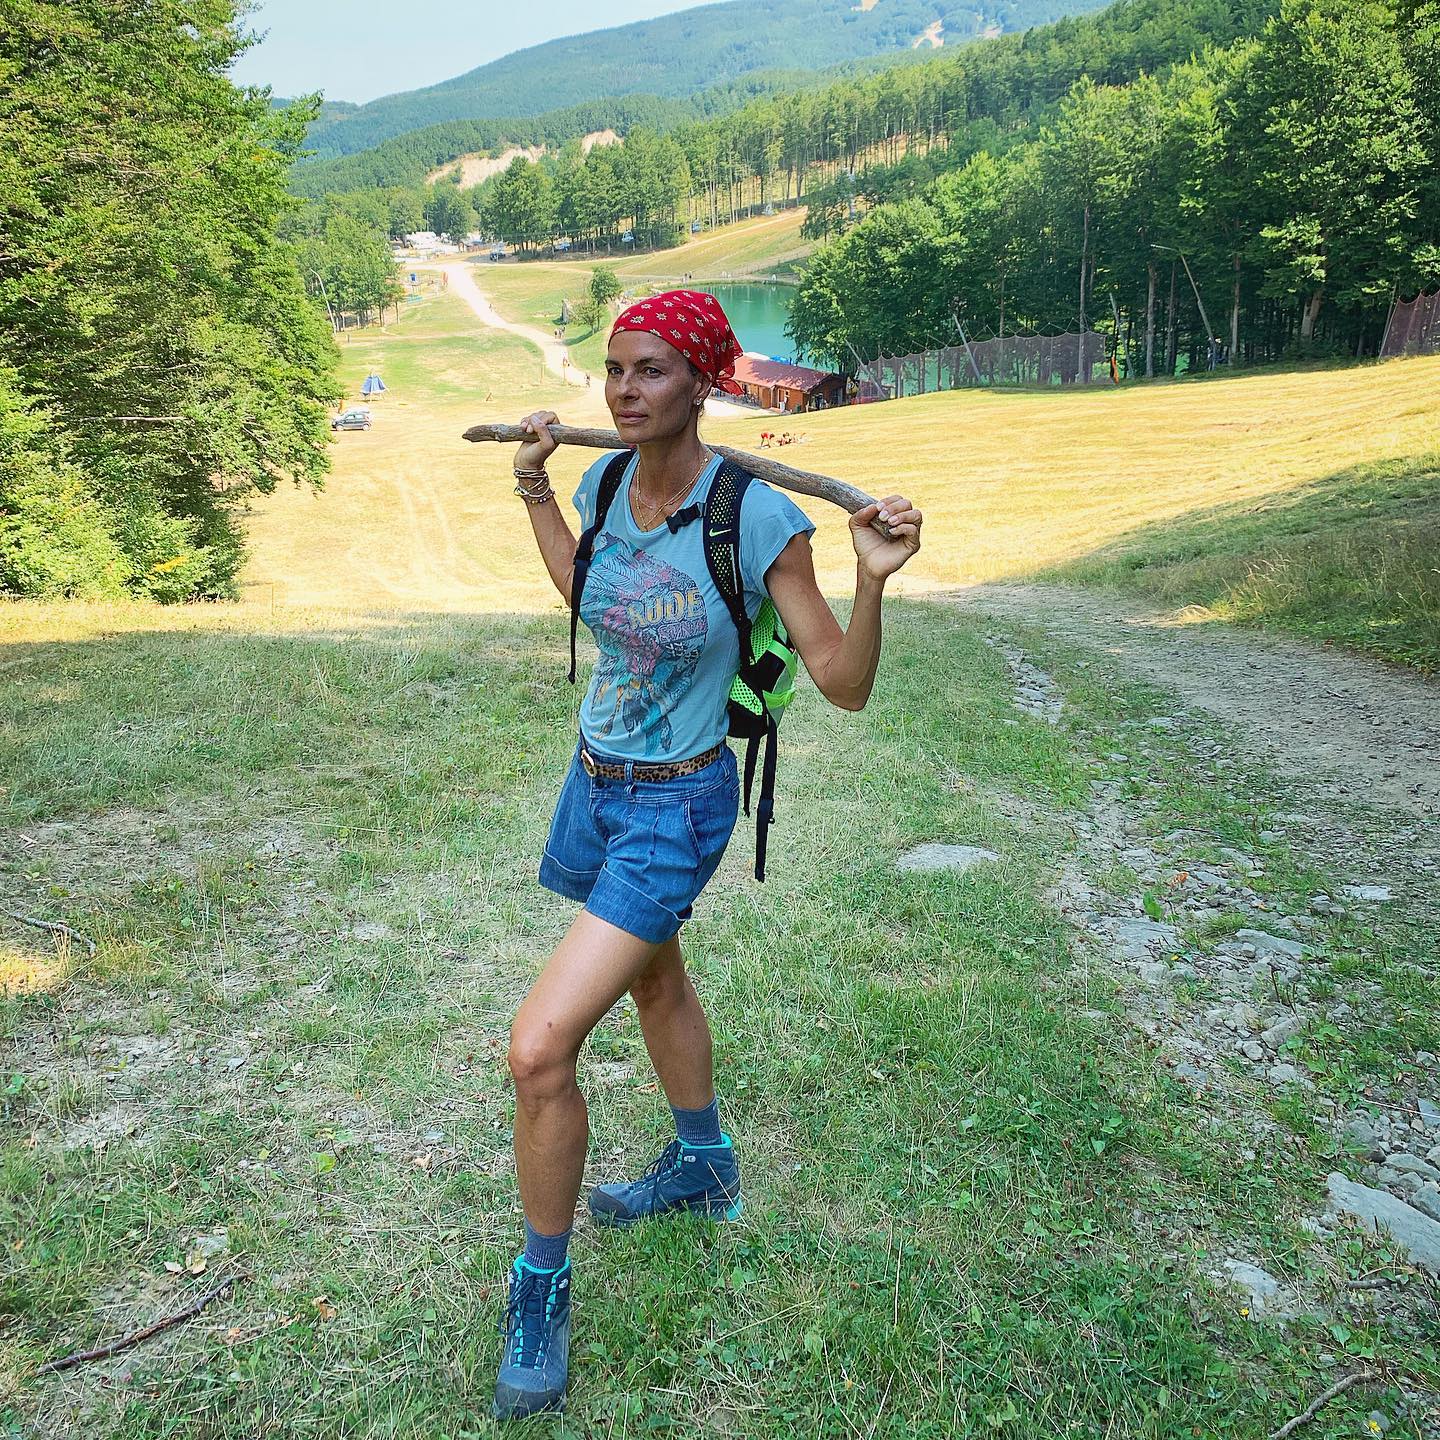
(757, 315)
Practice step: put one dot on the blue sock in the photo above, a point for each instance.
(698, 1127)
(545, 1252)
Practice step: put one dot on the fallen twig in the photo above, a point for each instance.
(125, 1342)
(56, 927)
(1356, 1377)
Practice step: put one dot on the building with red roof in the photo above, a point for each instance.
(778, 385)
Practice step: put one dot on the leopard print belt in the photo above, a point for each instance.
(671, 770)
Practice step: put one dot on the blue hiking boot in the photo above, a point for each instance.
(536, 1326)
(704, 1179)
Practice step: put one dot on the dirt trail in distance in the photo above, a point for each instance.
(1350, 727)
(556, 353)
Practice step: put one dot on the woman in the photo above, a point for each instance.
(651, 796)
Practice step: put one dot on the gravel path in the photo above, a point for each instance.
(556, 352)
(1349, 726)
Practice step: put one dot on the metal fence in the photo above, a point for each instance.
(1006, 360)
(1414, 327)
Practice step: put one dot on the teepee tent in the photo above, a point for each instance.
(373, 385)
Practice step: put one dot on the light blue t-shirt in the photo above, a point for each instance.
(668, 647)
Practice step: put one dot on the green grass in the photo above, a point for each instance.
(436, 351)
(310, 843)
(1354, 559)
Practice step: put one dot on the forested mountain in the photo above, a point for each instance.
(677, 55)
(822, 117)
(1265, 200)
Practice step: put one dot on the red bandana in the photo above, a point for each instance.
(695, 325)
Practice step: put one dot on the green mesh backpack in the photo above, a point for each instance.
(765, 684)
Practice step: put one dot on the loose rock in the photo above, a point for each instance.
(1373, 893)
(1412, 1165)
(945, 857)
(1266, 944)
(1260, 1287)
(1141, 939)
(1416, 1234)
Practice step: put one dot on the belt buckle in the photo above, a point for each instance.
(587, 762)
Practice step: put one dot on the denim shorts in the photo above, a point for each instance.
(638, 852)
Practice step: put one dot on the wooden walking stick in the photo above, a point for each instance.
(802, 482)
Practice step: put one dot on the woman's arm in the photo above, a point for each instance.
(552, 534)
(843, 663)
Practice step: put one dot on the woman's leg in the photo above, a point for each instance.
(677, 1034)
(592, 967)
(699, 1172)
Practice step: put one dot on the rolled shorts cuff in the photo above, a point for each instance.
(621, 904)
(572, 884)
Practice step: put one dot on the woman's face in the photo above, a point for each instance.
(650, 387)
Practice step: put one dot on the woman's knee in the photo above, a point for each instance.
(541, 1064)
(661, 987)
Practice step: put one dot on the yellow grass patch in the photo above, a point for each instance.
(415, 518)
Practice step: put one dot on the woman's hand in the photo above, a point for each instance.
(533, 454)
(880, 558)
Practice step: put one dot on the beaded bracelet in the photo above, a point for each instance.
(535, 497)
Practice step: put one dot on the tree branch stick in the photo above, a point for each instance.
(56, 927)
(800, 482)
(1357, 1377)
(135, 1337)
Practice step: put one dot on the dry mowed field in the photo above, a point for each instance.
(413, 517)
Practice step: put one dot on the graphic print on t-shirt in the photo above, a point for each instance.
(649, 622)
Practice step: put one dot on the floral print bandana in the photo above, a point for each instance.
(696, 326)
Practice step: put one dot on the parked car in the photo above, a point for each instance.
(356, 419)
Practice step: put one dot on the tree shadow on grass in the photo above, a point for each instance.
(1349, 559)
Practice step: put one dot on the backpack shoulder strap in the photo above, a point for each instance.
(722, 546)
(610, 479)
(722, 556)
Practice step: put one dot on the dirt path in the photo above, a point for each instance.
(556, 353)
(1351, 727)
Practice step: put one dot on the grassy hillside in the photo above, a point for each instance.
(977, 1201)
(679, 54)
(531, 292)
(1305, 500)
(1350, 558)
(302, 833)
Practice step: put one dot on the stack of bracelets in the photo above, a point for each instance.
(533, 486)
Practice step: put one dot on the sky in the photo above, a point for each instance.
(357, 52)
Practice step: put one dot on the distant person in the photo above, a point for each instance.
(651, 794)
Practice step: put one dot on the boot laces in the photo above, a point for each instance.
(526, 1317)
(661, 1166)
